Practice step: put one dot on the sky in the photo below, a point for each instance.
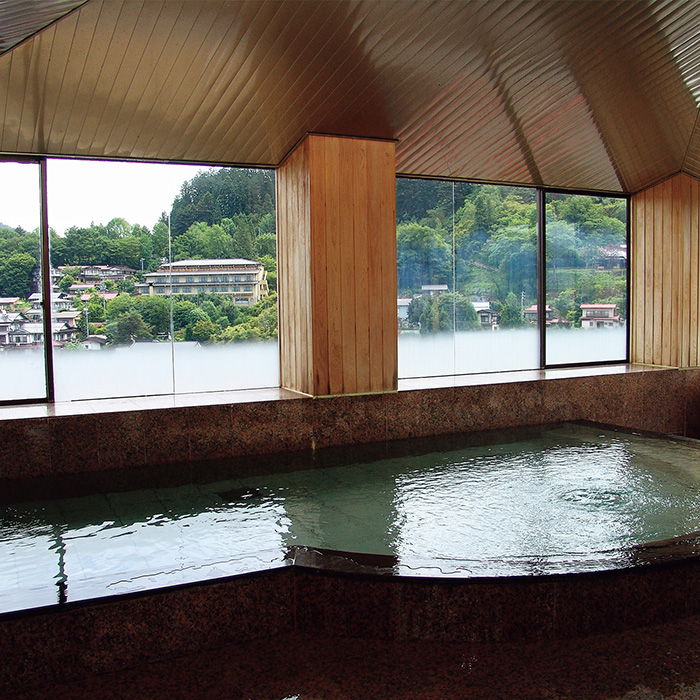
(83, 192)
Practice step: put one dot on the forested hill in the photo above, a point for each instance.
(481, 242)
(220, 193)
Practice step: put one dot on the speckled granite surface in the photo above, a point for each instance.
(652, 663)
(85, 438)
(322, 611)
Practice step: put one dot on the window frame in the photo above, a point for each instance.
(542, 274)
(241, 280)
(541, 194)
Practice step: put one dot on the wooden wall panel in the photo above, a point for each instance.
(637, 207)
(665, 262)
(293, 243)
(350, 268)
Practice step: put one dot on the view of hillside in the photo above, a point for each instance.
(489, 255)
(467, 264)
(219, 213)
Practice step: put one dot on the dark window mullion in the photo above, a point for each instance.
(541, 276)
(46, 286)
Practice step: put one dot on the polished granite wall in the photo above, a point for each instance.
(73, 641)
(88, 438)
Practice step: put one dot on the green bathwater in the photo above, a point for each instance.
(563, 499)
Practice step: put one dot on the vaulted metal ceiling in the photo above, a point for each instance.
(591, 95)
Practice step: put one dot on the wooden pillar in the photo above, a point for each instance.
(336, 229)
(665, 274)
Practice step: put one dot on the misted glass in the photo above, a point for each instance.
(586, 278)
(22, 374)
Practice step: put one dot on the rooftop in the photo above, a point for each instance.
(219, 262)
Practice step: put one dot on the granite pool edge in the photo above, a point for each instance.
(66, 642)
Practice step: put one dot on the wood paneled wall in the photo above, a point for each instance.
(665, 260)
(336, 203)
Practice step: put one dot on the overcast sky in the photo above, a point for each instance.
(82, 192)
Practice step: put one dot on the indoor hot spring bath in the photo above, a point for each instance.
(517, 535)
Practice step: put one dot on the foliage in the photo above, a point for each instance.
(511, 313)
(155, 311)
(220, 193)
(128, 327)
(491, 250)
(446, 312)
(423, 256)
(16, 275)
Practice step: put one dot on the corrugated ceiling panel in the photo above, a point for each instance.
(642, 108)
(579, 95)
(20, 19)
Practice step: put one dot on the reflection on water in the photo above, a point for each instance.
(566, 499)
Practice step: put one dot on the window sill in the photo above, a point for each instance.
(146, 403)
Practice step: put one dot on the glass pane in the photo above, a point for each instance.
(496, 270)
(586, 278)
(425, 257)
(148, 321)
(467, 270)
(224, 281)
(21, 316)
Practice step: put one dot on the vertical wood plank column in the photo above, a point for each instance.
(664, 274)
(336, 237)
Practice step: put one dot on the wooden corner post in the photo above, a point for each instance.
(336, 238)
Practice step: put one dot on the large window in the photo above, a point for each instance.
(22, 374)
(468, 291)
(162, 279)
(137, 254)
(586, 278)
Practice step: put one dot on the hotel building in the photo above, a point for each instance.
(244, 280)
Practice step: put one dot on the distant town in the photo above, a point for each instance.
(244, 282)
(207, 271)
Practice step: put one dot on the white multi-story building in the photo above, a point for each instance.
(244, 280)
(600, 316)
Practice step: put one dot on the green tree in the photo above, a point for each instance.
(96, 307)
(266, 245)
(121, 304)
(430, 318)
(218, 193)
(241, 233)
(16, 275)
(423, 256)
(513, 251)
(511, 314)
(266, 225)
(203, 330)
(155, 311)
(127, 327)
(159, 240)
(486, 204)
(184, 313)
(65, 282)
(118, 228)
(191, 244)
(457, 312)
(416, 309)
